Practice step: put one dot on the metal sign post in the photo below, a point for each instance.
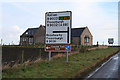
(67, 56)
(49, 55)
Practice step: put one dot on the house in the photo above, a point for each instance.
(39, 37)
(33, 36)
(80, 36)
(27, 37)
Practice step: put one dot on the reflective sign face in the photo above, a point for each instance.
(110, 40)
(67, 47)
(58, 27)
(57, 47)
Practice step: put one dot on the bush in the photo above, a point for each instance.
(74, 47)
(83, 49)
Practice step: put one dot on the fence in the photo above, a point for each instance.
(12, 55)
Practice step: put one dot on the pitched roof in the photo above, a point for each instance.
(31, 32)
(76, 32)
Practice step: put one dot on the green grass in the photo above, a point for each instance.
(58, 68)
(78, 47)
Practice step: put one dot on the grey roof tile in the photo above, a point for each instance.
(76, 32)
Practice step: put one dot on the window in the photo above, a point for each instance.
(26, 33)
(24, 39)
(30, 40)
(86, 39)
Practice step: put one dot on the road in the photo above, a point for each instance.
(110, 69)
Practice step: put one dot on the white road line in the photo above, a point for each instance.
(100, 67)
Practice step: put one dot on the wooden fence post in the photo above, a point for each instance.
(40, 53)
(22, 57)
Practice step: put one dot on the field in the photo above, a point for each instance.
(59, 68)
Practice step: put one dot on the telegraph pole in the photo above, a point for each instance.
(1, 41)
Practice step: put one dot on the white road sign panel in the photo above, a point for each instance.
(58, 27)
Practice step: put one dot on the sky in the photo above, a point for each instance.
(100, 16)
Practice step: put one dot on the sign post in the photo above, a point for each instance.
(49, 55)
(58, 32)
(67, 56)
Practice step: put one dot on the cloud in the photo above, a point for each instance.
(59, 1)
(12, 34)
(101, 24)
(24, 7)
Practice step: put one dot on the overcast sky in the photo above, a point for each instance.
(100, 16)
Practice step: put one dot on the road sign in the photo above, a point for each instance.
(110, 40)
(67, 47)
(58, 27)
(57, 47)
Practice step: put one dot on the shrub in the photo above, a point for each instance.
(83, 49)
(73, 47)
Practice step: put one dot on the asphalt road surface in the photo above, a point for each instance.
(110, 69)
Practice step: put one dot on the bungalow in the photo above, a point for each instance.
(82, 36)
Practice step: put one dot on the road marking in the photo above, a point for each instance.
(100, 67)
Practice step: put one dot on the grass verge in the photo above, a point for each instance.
(58, 68)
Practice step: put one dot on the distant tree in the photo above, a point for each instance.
(97, 43)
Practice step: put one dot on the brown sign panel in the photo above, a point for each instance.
(57, 47)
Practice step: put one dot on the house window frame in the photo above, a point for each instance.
(30, 40)
(23, 39)
(86, 39)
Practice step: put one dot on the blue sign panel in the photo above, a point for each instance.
(67, 47)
